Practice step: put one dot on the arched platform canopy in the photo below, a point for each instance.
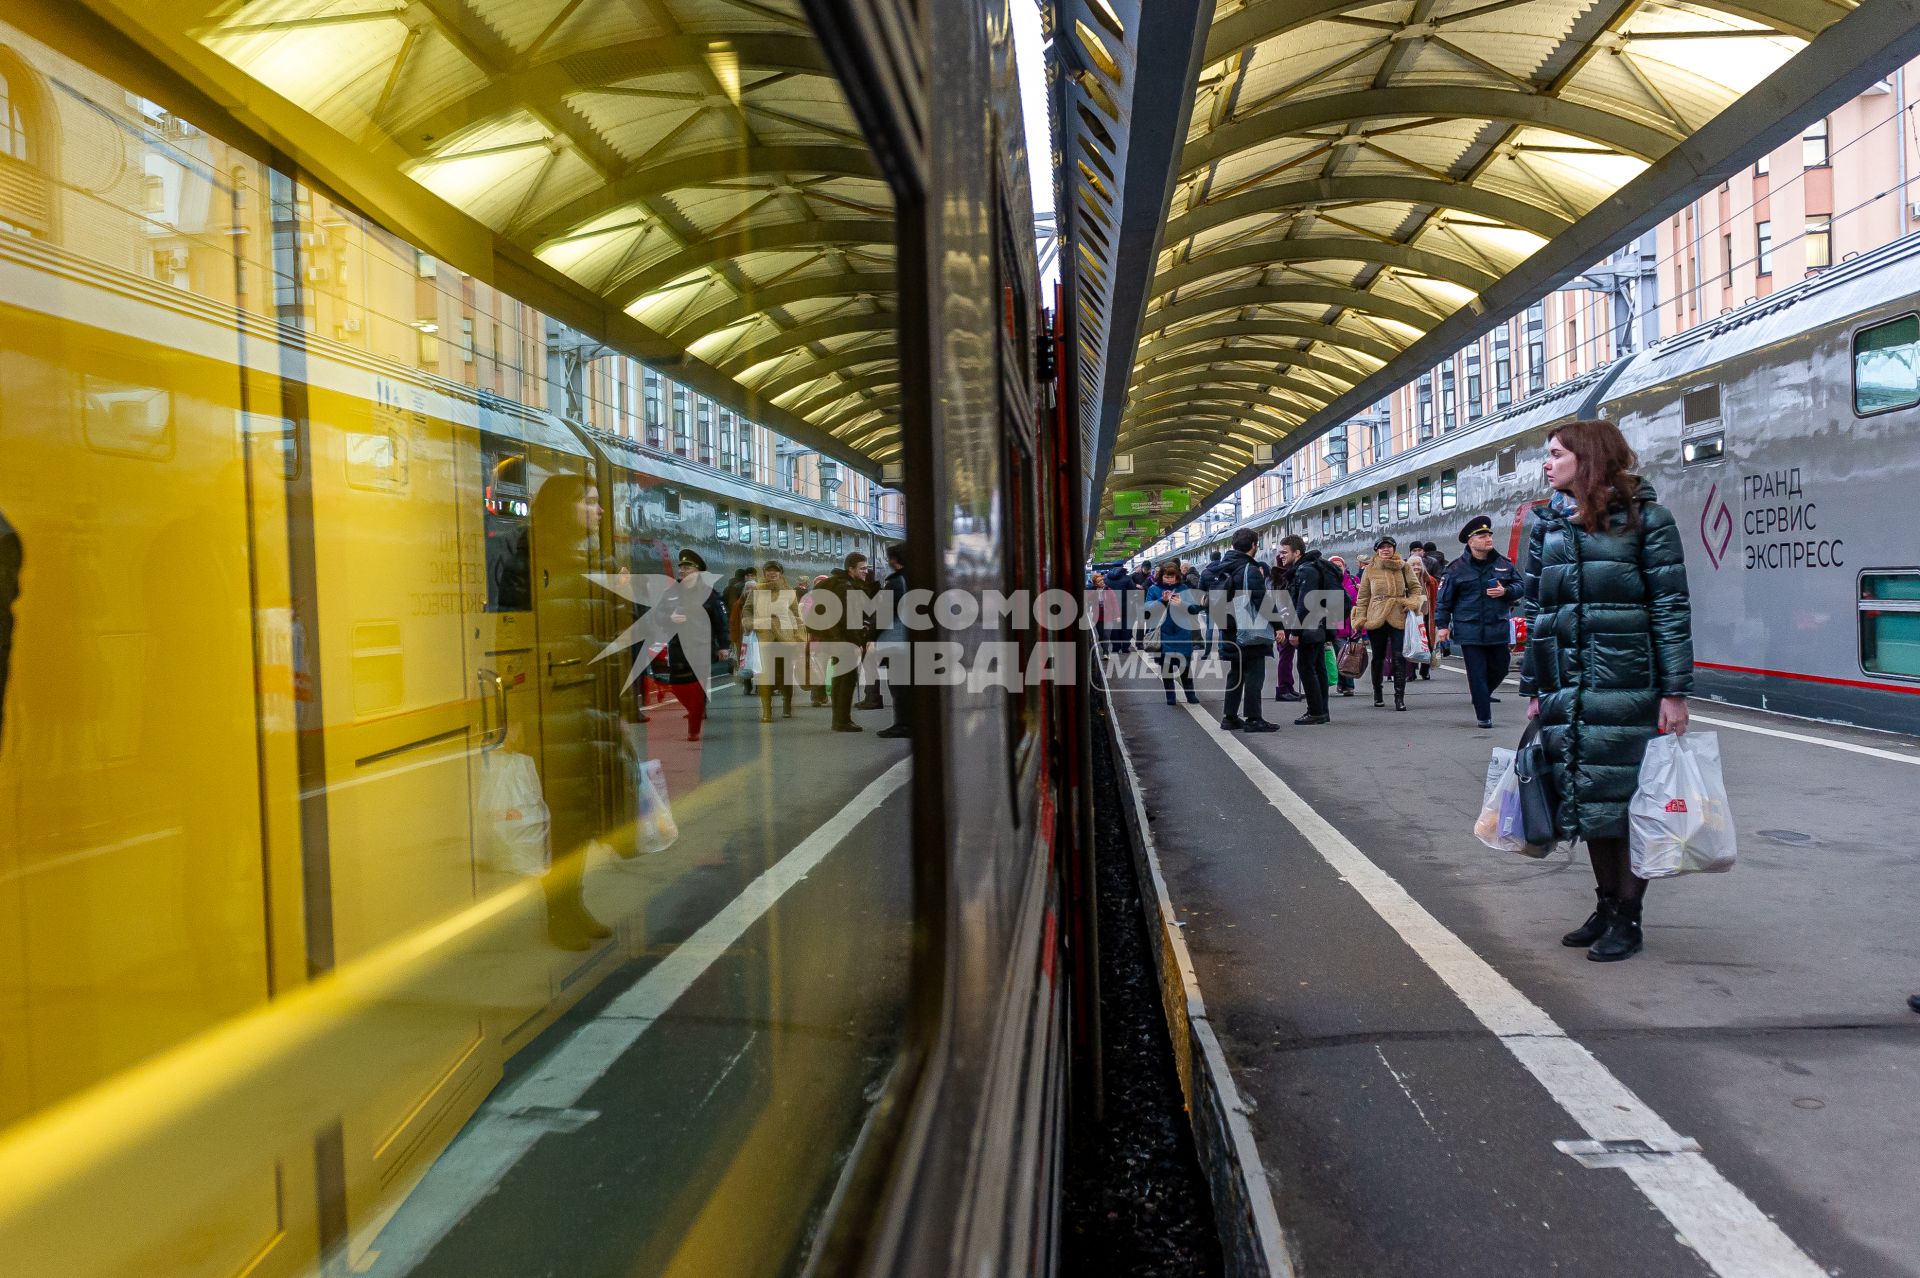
(681, 179)
(1361, 188)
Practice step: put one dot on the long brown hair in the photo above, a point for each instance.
(1608, 470)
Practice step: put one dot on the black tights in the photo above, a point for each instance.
(1613, 869)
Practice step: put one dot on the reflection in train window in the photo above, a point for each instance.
(1384, 505)
(1426, 496)
(1326, 523)
(1507, 463)
(744, 522)
(127, 418)
(1449, 490)
(671, 500)
(1886, 366)
(766, 531)
(722, 523)
(781, 537)
(508, 508)
(813, 540)
(1702, 449)
(1890, 623)
(1400, 502)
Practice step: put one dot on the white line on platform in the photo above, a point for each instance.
(1734, 1237)
(1802, 737)
(510, 1124)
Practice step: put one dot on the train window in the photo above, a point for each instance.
(1426, 495)
(1701, 449)
(1385, 504)
(813, 540)
(1366, 514)
(1449, 490)
(1400, 502)
(670, 502)
(1506, 463)
(1339, 520)
(1326, 522)
(766, 531)
(133, 420)
(1890, 623)
(1886, 366)
(781, 536)
(722, 523)
(744, 521)
(1353, 515)
(1702, 405)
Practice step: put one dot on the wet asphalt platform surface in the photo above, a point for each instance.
(1765, 1020)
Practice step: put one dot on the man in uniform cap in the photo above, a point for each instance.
(1477, 597)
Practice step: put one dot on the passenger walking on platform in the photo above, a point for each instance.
(1474, 612)
(1179, 624)
(771, 613)
(1609, 662)
(682, 678)
(1388, 594)
(1237, 577)
(850, 585)
(1431, 585)
(1284, 653)
(896, 642)
(1319, 601)
(1120, 588)
(742, 583)
(1347, 633)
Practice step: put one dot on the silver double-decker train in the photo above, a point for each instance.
(1782, 437)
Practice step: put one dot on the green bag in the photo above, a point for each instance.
(1333, 667)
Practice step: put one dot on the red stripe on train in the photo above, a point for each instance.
(1811, 678)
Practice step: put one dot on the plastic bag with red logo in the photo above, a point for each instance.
(1679, 821)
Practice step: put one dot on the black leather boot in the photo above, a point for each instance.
(1589, 932)
(1399, 698)
(1621, 940)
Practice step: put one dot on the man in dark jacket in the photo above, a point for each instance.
(1319, 605)
(897, 634)
(1284, 653)
(1477, 598)
(1114, 609)
(9, 591)
(1240, 584)
(850, 584)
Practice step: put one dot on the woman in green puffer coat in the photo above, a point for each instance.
(1609, 660)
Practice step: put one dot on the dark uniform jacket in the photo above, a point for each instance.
(1312, 580)
(9, 591)
(1465, 608)
(1610, 633)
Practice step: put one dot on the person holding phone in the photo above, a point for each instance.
(1474, 609)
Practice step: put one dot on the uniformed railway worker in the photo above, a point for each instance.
(1474, 610)
(1609, 659)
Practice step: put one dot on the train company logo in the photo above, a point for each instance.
(669, 610)
(1716, 526)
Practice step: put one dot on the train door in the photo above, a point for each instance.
(395, 571)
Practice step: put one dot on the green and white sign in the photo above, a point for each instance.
(1143, 501)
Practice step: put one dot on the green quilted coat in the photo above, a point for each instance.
(1610, 633)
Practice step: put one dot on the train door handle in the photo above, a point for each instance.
(553, 665)
(493, 735)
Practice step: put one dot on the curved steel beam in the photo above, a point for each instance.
(1255, 415)
(816, 368)
(1389, 187)
(1216, 440)
(1272, 355)
(828, 401)
(885, 399)
(1269, 397)
(1263, 20)
(1203, 266)
(792, 339)
(760, 300)
(1233, 299)
(702, 169)
(549, 84)
(746, 241)
(1206, 380)
(1329, 333)
(1452, 102)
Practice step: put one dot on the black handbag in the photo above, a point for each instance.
(1534, 773)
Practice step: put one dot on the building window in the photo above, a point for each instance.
(682, 426)
(1726, 258)
(1763, 165)
(1763, 235)
(1502, 368)
(1448, 416)
(726, 439)
(1426, 408)
(746, 449)
(1382, 430)
(1449, 490)
(1573, 348)
(1426, 496)
(1819, 243)
(1813, 145)
(1474, 408)
(703, 414)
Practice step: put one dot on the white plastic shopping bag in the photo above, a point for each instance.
(1414, 647)
(1499, 825)
(513, 818)
(1678, 821)
(750, 661)
(654, 828)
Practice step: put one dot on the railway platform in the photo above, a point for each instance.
(1434, 1085)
